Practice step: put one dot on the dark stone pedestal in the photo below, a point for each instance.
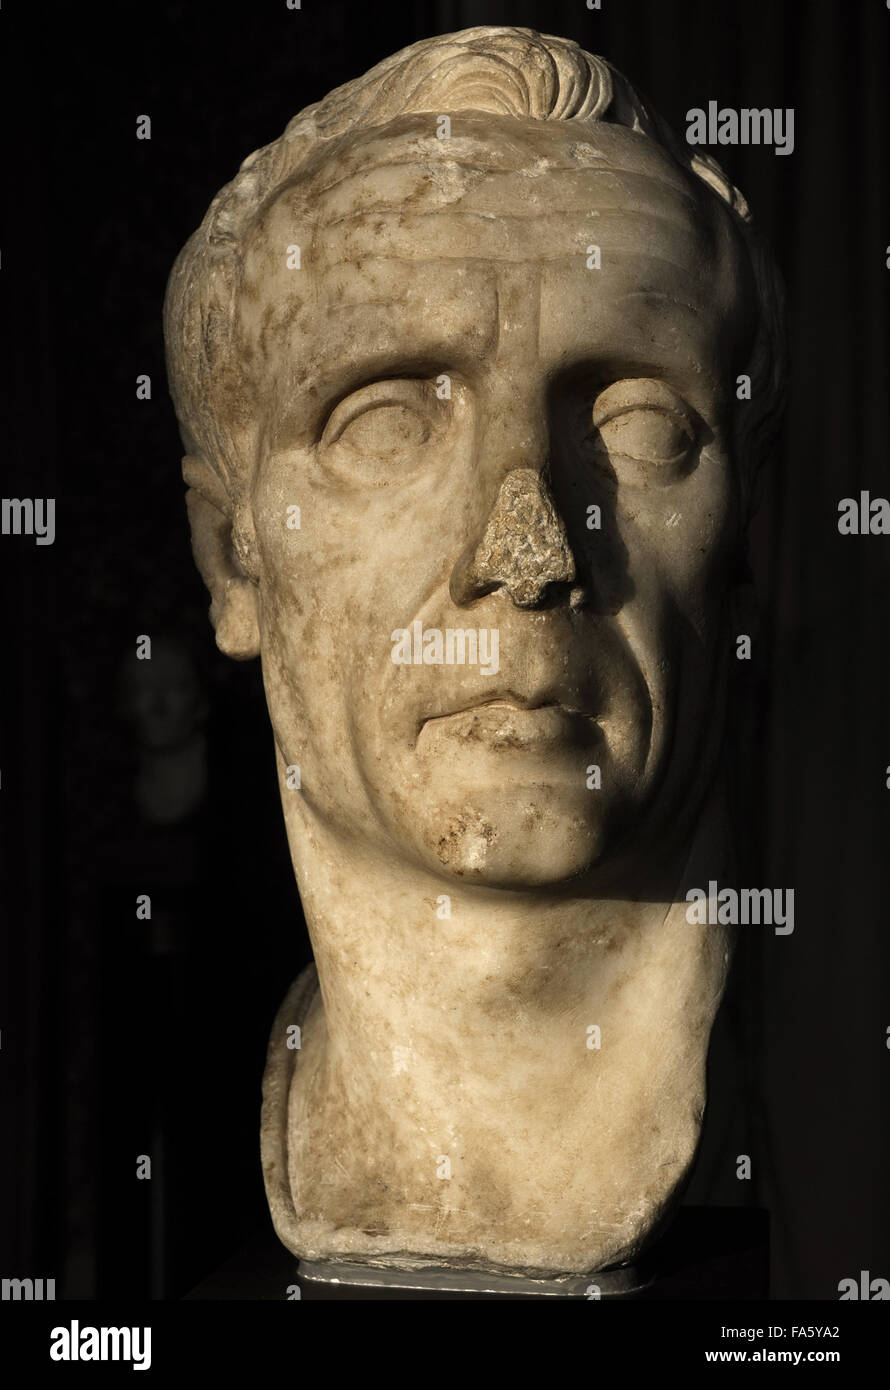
(707, 1253)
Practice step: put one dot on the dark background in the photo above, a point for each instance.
(122, 1037)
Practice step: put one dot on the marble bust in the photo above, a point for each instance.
(460, 367)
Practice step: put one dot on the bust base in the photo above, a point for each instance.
(710, 1253)
(329, 1279)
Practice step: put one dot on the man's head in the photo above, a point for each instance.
(493, 360)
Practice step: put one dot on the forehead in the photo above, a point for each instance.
(404, 235)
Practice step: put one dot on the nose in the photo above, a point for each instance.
(523, 550)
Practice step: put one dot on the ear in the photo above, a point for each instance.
(234, 606)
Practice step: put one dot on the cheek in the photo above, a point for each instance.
(682, 538)
(358, 555)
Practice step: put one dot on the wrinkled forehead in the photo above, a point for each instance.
(407, 165)
(396, 214)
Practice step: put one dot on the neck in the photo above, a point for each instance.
(541, 1044)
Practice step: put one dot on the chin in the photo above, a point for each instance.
(513, 839)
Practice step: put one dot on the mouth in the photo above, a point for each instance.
(512, 721)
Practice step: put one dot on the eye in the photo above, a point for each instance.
(644, 430)
(378, 434)
(646, 434)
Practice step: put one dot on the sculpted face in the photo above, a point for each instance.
(455, 394)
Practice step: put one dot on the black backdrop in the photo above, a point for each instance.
(123, 1037)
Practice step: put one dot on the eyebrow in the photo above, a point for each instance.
(660, 294)
(445, 335)
(337, 378)
(399, 347)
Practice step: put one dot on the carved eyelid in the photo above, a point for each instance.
(395, 391)
(641, 393)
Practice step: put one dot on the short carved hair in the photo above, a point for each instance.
(504, 71)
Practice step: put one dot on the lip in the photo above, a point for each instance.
(513, 722)
(507, 698)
